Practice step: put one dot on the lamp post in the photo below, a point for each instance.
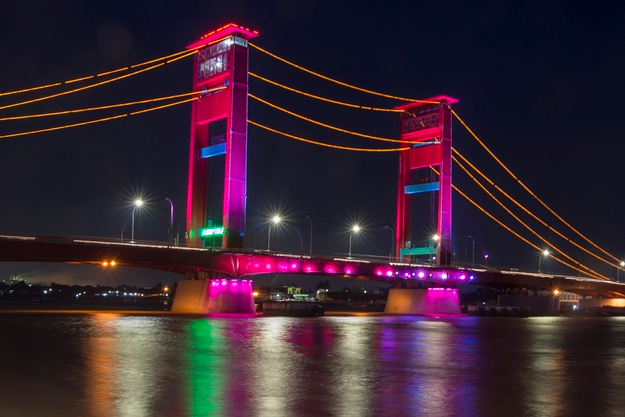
(544, 253)
(138, 203)
(392, 242)
(579, 261)
(274, 221)
(486, 260)
(355, 229)
(171, 220)
(622, 264)
(311, 230)
(473, 253)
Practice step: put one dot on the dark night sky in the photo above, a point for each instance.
(537, 80)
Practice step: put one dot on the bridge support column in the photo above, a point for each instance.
(206, 296)
(422, 301)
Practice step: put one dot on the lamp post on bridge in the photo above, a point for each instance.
(171, 221)
(355, 230)
(311, 233)
(486, 260)
(622, 264)
(274, 221)
(138, 203)
(544, 253)
(392, 242)
(473, 253)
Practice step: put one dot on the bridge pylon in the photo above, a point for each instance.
(217, 186)
(426, 123)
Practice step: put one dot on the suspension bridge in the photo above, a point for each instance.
(215, 253)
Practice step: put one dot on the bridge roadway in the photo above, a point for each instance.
(240, 264)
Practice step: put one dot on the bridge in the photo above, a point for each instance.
(216, 212)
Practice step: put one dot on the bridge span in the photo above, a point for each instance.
(200, 263)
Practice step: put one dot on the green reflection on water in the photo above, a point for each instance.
(205, 363)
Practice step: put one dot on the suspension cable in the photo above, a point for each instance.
(110, 106)
(500, 223)
(50, 129)
(328, 100)
(327, 145)
(530, 191)
(81, 88)
(542, 222)
(589, 270)
(338, 129)
(8, 93)
(364, 90)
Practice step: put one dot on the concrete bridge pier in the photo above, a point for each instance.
(206, 293)
(433, 300)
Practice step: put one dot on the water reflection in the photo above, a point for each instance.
(116, 365)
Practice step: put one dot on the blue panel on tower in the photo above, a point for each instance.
(421, 188)
(214, 150)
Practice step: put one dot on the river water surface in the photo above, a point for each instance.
(105, 364)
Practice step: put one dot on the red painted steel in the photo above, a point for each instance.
(223, 62)
(426, 122)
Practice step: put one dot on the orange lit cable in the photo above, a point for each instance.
(41, 87)
(181, 56)
(530, 191)
(500, 223)
(339, 82)
(110, 106)
(81, 88)
(338, 129)
(327, 145)
(354, 106)
(542, 222)
(164, 106)
(50, 129)
(589, 270)
(159, 59)
(102, 74)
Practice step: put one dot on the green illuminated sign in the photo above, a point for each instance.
(211, 231)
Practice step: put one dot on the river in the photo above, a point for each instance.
(111, 364)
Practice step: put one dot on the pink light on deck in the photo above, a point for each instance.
(421, 274)
(294, 266)
(389, 273)
(349, 270)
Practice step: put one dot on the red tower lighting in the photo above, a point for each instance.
(217, 187)
(429, 124)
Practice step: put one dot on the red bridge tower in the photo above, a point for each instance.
(217, 188)
(428, 123)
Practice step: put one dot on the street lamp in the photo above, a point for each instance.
(310, 233)
(622, 264)
(544, 253)
(392, 242)
(355, 229)
(486, 260)
(171, 220)
(274, 221)
(473, 254)
(138, 203)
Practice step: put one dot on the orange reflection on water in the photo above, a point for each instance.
(101, 358)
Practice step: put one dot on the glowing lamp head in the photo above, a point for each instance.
(486, 256)
(276, 219)
(622, 264)
(435, 238)
(113, 263)
(356, 228)
(138, 203)
(556, 292)
(105, 263)
(545, 253)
